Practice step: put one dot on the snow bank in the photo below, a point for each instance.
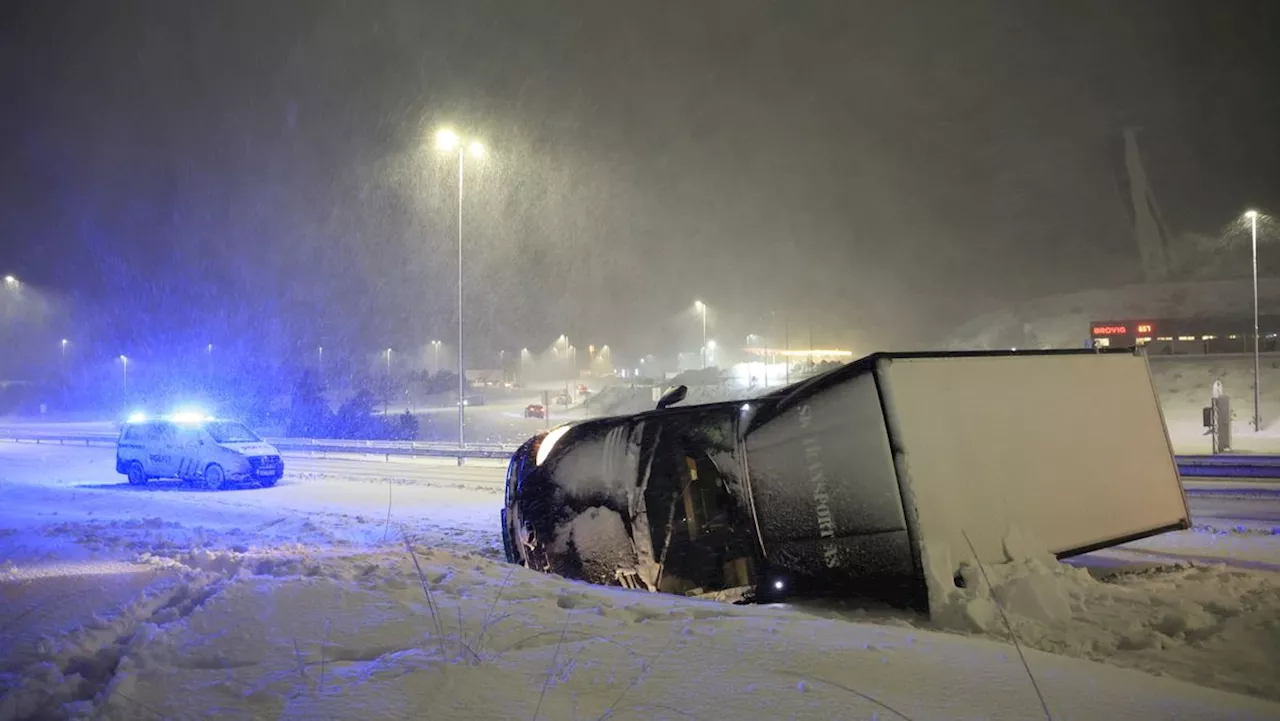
(1206, 624)
(366, 636)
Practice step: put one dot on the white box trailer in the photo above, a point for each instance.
(915, 458)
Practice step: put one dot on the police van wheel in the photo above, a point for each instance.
(137, 474)
(214, 477)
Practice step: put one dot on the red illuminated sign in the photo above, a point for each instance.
(1110, 330)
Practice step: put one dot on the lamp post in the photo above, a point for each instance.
(435, 347)
(448, 141)
(124, 365)
(386, 397)
(1252, 215)
(702, 308)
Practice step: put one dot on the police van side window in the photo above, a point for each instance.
(160, 433)
(187, 435)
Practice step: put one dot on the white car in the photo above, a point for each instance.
(195, 448)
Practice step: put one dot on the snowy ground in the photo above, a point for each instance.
(301, 601)
(1186, 384)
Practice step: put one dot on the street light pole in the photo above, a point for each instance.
(1257, 391)
(124, 364)
(702, 308)
(448, 140)
(386, 397)
(462, 369)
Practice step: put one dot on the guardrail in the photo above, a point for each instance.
(318, 445)
(1229, 465)
(1219, 466)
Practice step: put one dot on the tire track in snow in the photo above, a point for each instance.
(65, 633)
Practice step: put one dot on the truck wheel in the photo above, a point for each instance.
(137, 474)
(214, 477)
(508, 547)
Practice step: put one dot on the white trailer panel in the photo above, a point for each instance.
(1069, 449)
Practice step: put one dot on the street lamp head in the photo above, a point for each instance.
(10, 280)
(476, 148)
(64, 341)
(699, 306)
(711, 345)
(1252, 214)
(446, 139)
(123, 359)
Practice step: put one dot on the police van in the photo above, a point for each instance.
(195, 448)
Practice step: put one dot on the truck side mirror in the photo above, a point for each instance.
(673, 396)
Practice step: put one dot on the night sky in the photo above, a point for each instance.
(181, 173)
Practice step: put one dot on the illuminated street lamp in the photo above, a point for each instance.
(10, 281)
(64, 347)
(449, 141)
(435, 346)
(1252, 215)
(124, 365)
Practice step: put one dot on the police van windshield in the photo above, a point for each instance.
(229, 432)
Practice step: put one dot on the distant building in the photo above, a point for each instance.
(1188, 336)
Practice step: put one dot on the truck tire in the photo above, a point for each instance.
(508, 547)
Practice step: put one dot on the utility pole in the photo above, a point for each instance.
(786, 352)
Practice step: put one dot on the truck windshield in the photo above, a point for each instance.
(228, 432)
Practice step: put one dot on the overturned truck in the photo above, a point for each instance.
(859, 481)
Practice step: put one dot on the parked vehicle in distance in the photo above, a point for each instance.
(195, 448)
(473, 401)
(535, 410)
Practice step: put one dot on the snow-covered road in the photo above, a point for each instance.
(123, 602)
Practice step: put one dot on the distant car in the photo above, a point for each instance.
(197, 449)
(535, 410)
(473, 401)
